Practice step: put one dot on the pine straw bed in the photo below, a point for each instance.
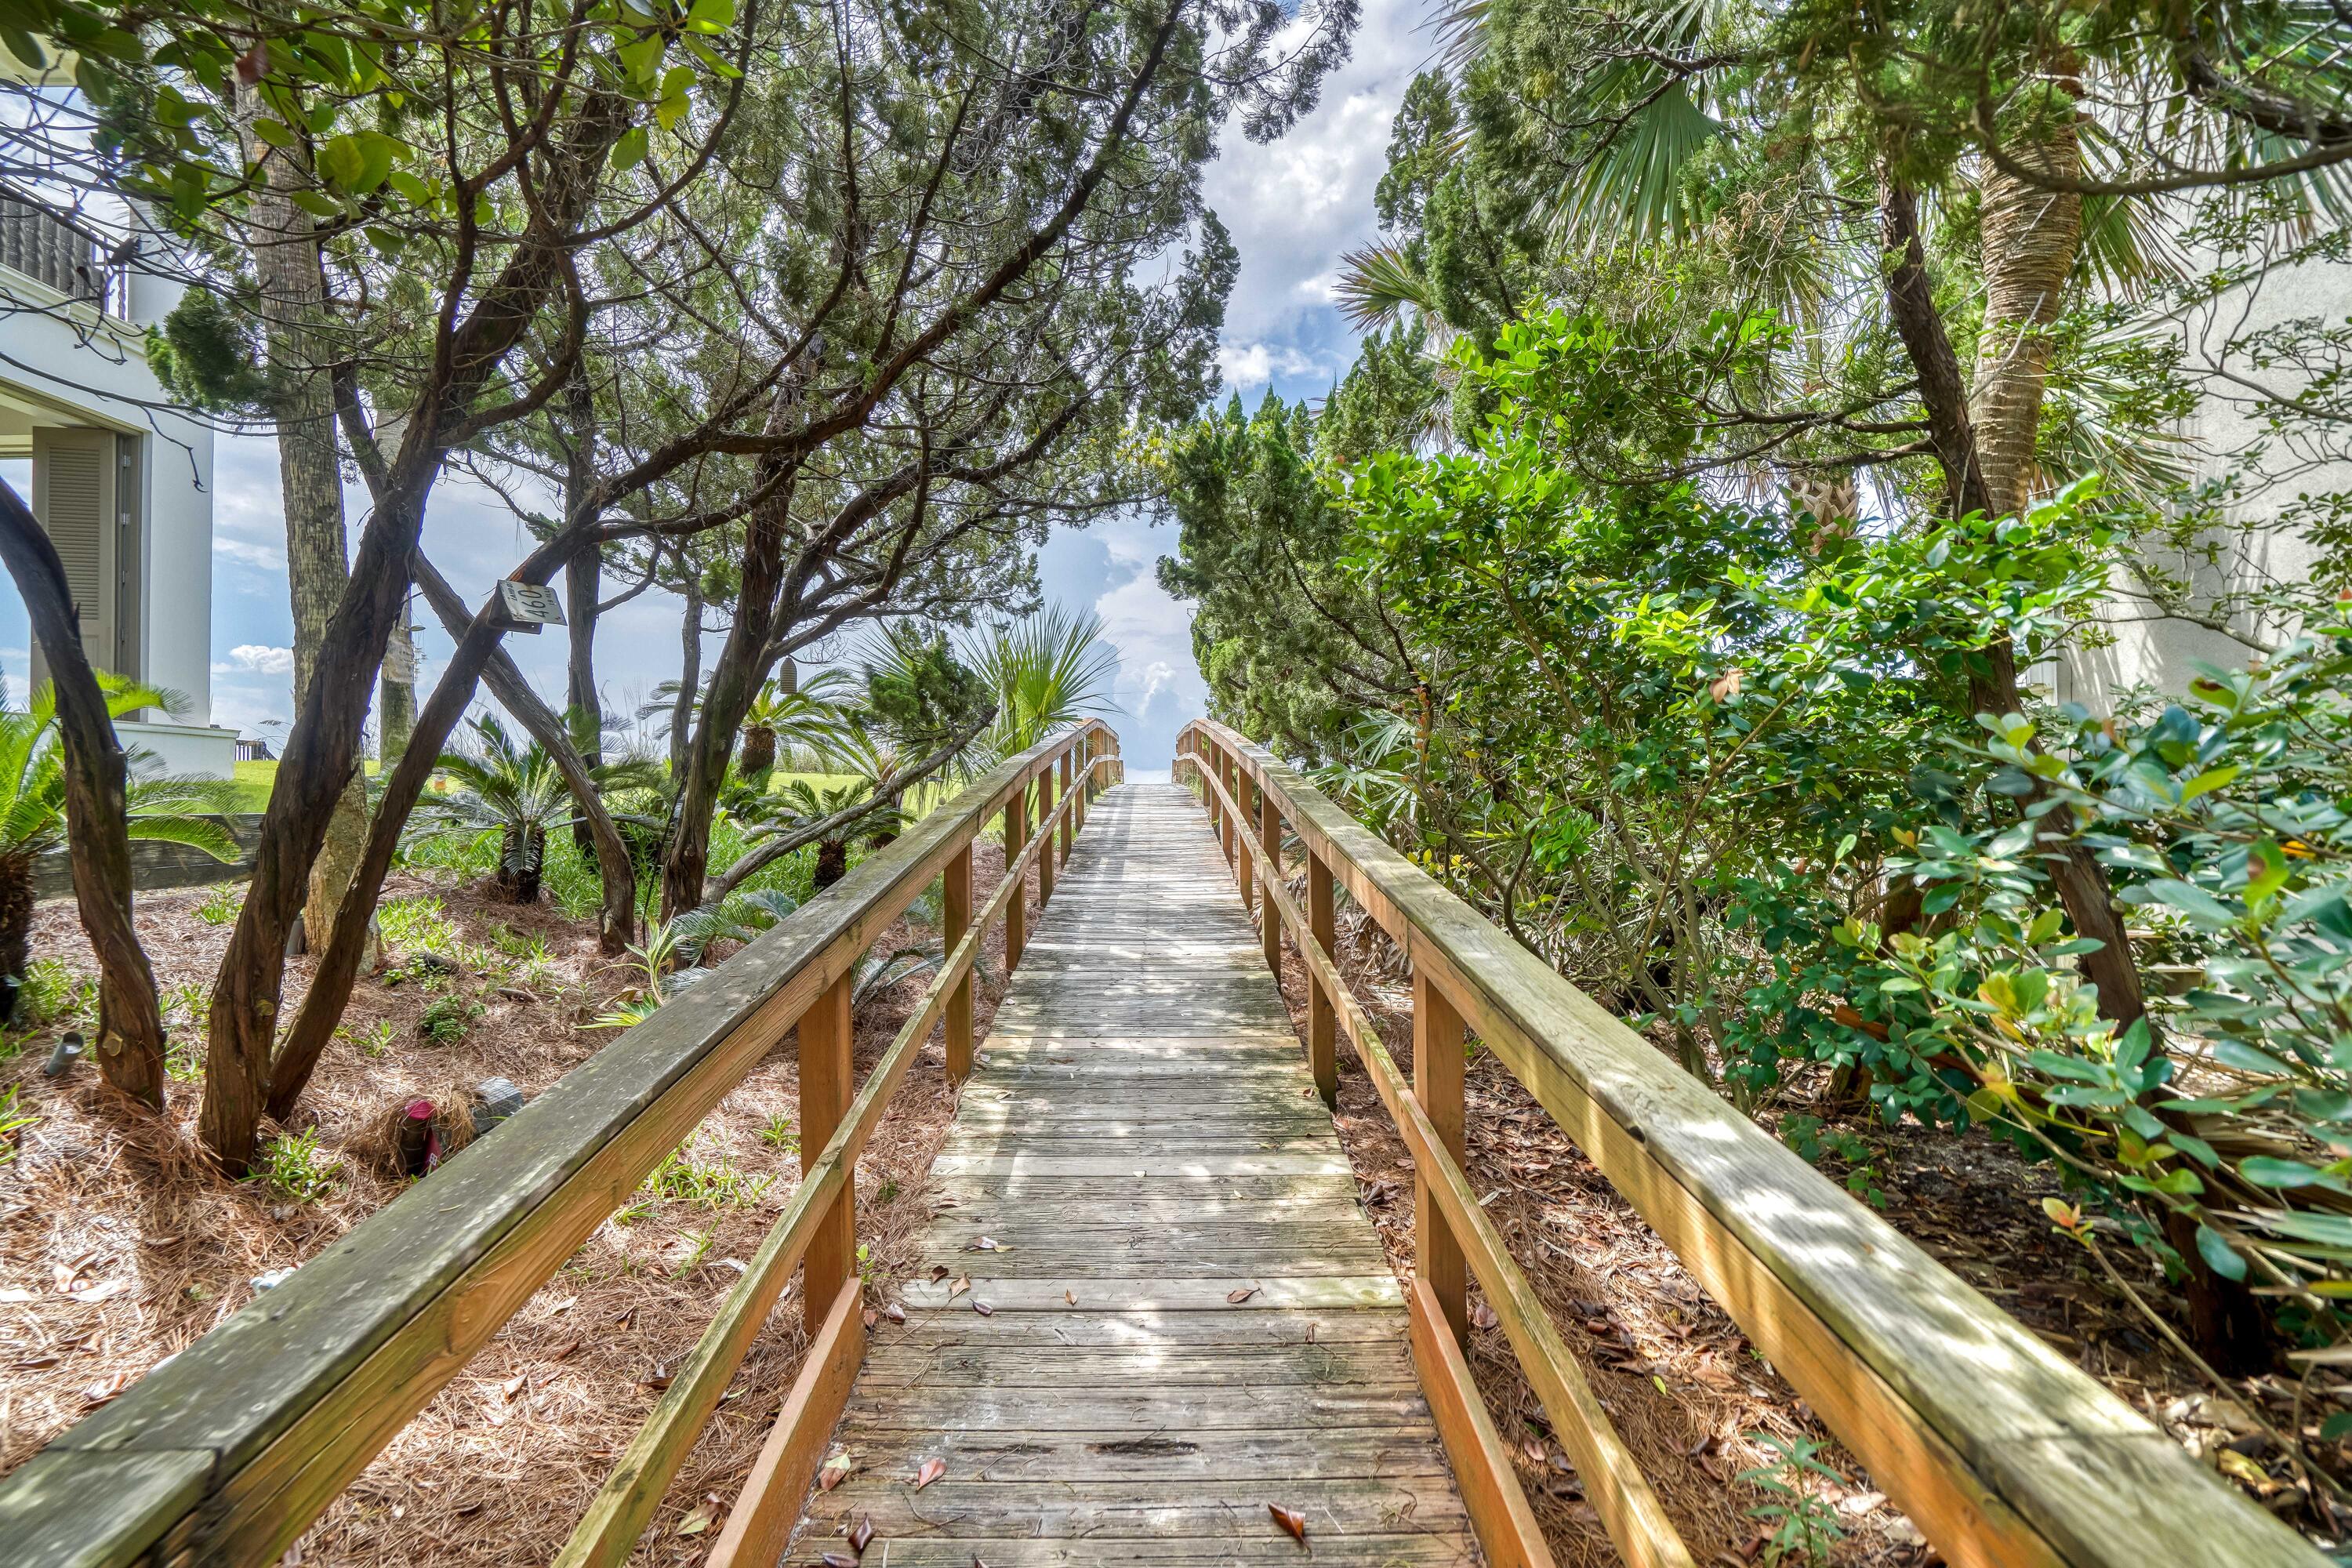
(121, 1244)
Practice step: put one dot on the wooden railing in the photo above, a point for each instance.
(229, 1453)
(2002, 1452)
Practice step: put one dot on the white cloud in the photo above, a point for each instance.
(1255, 365)
(242, 553)
(257, 659)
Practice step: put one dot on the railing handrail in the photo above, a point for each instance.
(38, 242)
(1999, 1449)
(229, 1452)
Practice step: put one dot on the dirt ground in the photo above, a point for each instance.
(120, 1244)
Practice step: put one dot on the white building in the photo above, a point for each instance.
(2230, 571)
(120, 479)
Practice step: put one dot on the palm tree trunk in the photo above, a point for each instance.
(15, 914)
(2028, 243)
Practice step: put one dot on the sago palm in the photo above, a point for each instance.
(515, 791)
(810, 718)
(165, 808)
(1047, 673)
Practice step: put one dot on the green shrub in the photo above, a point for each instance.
(296, 1169)
(448, 1017)
(222, 905)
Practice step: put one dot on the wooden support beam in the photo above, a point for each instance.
(1491, 1494)
(1044, 819)
(1016, 913)
(955, 897)
(1437, 1036)
(1322, 1025)
(1270, 836)
(825, 1087)
(1069, 818)
(761, 1521)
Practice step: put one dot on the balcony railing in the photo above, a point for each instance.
(57, 251)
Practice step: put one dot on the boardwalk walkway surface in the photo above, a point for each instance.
(1140, 1144)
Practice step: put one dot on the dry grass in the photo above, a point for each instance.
(123, 1206)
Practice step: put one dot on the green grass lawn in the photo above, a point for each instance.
(254, 780)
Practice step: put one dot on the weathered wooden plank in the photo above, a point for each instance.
(1121, 1454)
(1499, 1509)
(1004, 1294)
(936, 1362)
(1408, 1550)
(760, 1523)
(1126, 1510)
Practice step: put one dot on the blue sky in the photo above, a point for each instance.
(1293, 208)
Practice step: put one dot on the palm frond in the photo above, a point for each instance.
(1378, 283)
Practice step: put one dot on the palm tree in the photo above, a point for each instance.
(811, 805)
(516, 790)
(808, 716)
(165, 808)
(1047, 672)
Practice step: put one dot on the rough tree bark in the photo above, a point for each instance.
(690, 672)
(286, 266)
(322, 748)
(98, 811)
(2225, 1318)
(397, 691)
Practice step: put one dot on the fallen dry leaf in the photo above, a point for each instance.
(657, 1380)
(1071, 1296)
(869, 1317)
(962, 1283)
(564, 1350)
(838, 1466)
(1482, 1316)
(1244, 1294)
(932, 1469)
(894, 1312)
(695, 1523)
(860, 1534)
(838, 1560)
(982, 1307)
(100, 1393)
(1293, 1522)
(939, 1272)
(512, 1388)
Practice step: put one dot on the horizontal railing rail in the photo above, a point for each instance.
(2002, 1452)
(230, 1452)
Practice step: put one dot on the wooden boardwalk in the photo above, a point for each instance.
(1139, 1145)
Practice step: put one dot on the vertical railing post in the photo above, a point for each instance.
(1322, 1013)
(955, 897)
(1045, 862)
(1269, 834)
(1069, 817)
(1245, 863)
(1224, 764)
(825, 1090)
(1437, 1036)
(1016, 907)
